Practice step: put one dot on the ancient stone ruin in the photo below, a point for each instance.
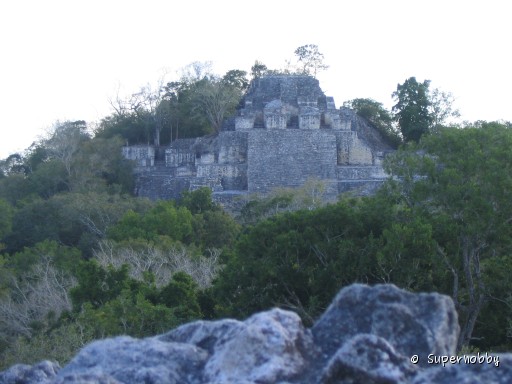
(285, 132)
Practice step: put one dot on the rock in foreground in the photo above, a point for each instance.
(367, 335)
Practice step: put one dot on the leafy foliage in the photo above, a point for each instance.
(458, 180)
(413, 109)
(164, 219)
(297, 260)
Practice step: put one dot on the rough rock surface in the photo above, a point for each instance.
(414, 324)
(368, 335)
(472, 373)
(265, 348)
(368, 359)
(42, 373)
(130, 360)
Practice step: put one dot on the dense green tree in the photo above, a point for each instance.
(185, 121)
(236, 78)
(215, 229)
(37, 154)
(128, 126)
(37, 221)
(99, 165)
(64, 258)
(258, 70)
(73, 219)
(164, 219)
(458, 180)
(6, 214)
(412, 108)
(112, 303)
(130, 313)
(50, 178)
(16, 189)
(97, 285)
(198, 201)
(140, 118)
(181, 294)
(13, 164)
(297, 260)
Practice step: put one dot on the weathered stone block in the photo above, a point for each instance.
(332, 119)
(143, 155)
(309, 118)
(352, 150)
(244, 122)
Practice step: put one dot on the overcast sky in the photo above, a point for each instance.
(63, 60)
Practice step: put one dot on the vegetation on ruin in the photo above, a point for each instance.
(82, 258)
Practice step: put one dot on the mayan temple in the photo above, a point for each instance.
(285, 132)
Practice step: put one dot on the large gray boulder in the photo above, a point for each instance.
(414, 324)
(266, 348)
(130, 360)
(367, 335)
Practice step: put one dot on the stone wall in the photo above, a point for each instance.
(143, 155)
(287, 158)
(287, 132)
(351, 149)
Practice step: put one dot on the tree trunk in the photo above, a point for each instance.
(475, 289)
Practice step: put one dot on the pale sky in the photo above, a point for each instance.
(63, 60)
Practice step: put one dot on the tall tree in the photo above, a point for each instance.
(412, 109)
(310, 59)
(236, 78)
(216, 99)
(258, 69)
(441, 108)
(64, 141)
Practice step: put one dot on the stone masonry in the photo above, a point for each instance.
(285, 132)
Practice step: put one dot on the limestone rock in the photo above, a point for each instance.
(86, 378)
(368, 359)
(204, 334)
(130, 360)
(265, 348)
(42, 373)
(414, 324)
